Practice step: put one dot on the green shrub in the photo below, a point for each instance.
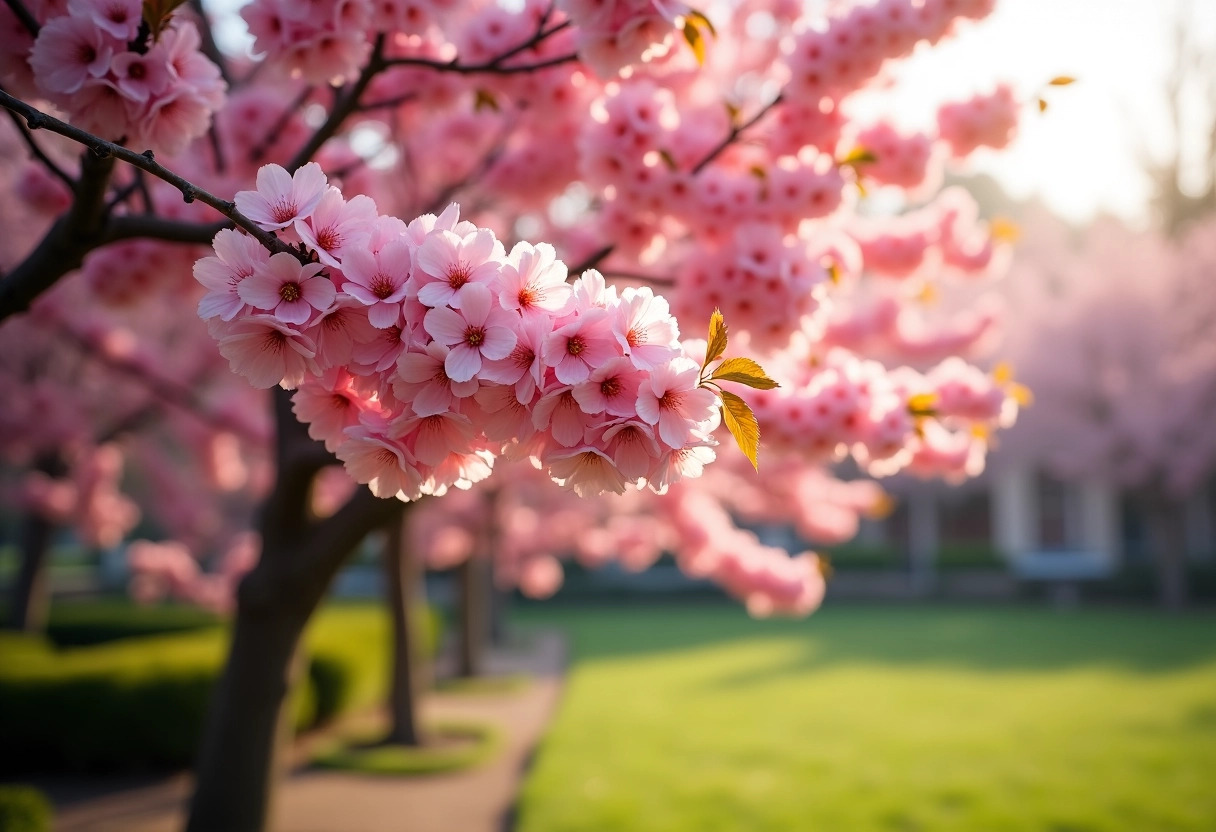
(139, 702)
(24, 809)
(96, 622)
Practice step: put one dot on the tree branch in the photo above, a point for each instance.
(38, 120)
(147, 226)
(39, 154)
(346, 104)
(23, 14)
(734, 134)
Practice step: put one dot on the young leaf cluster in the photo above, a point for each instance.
(736, 414)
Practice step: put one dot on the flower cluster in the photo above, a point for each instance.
(423, 351)
(101, 64)
(981, 121)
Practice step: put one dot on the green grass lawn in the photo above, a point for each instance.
(870, 718)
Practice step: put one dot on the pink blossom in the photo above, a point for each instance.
(534, 282)
(477, 330)
(447, 263)
(574, 349)
(118, 18)
(237, 257)
(265, 351)
(282, 198)
(589, 471)
(337, 226)
(423, 382)
(385, 465)
(645, 329)
(612, 387)
(288, 289)
(523, 367)
(378, 280)
(69, 51)
(139, 76)
(672, 400)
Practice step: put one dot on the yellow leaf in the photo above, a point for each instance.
(824, 564)
(927, 293)
(485, 100)
(693, 35)
(1004, 230)
(156, 14)
(667, 158)
(923, 404)
(1021, 394)
(858, 156)
(882, 507)
(741, 423)
(758, 172)
(861, 189)
(744, 371)
(980, 431)
(1042, 104)
(701, 20)
(1062, 81)
(717, 338)
(834, 273)
(1002, 373)
(733, 111)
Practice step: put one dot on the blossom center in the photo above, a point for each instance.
(528, 297)
(328, 238)
(382, 286)
(290, 292)
(458, 275)
(611, 386)
(137, 71)
(283, 210)
(575, 345)
(670, 400)
(474, 336)
(635, 336)
(86, 54)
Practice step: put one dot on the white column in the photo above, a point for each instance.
(1099, 520)
(1198, 518)
(1015, 511)
(924, 537)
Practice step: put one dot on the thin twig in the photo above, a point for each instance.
(594, 260)
(734, 134)
(23, 14)
(259, 150)
(38, 120)
(495, 64)
(39, 154)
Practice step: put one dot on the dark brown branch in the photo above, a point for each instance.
(345, 104)
(23, 14)
(258, 151)
(594, 260)
(733, 135)
(39, 154)
(208, 46)
(64, 246)
(492, 67)
(159, 228)
(38, 120)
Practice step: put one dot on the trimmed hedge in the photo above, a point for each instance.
(97, 622)
(139, 703)
(24, 809)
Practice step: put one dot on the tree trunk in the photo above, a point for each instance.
(1169, 553)
(473, 599)
(402, 578)
(248, 727)
(248, 724)
(30, 601)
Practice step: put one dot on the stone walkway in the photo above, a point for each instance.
(480, 799)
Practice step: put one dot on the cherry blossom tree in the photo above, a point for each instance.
(1123, 365)
(598, 153)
